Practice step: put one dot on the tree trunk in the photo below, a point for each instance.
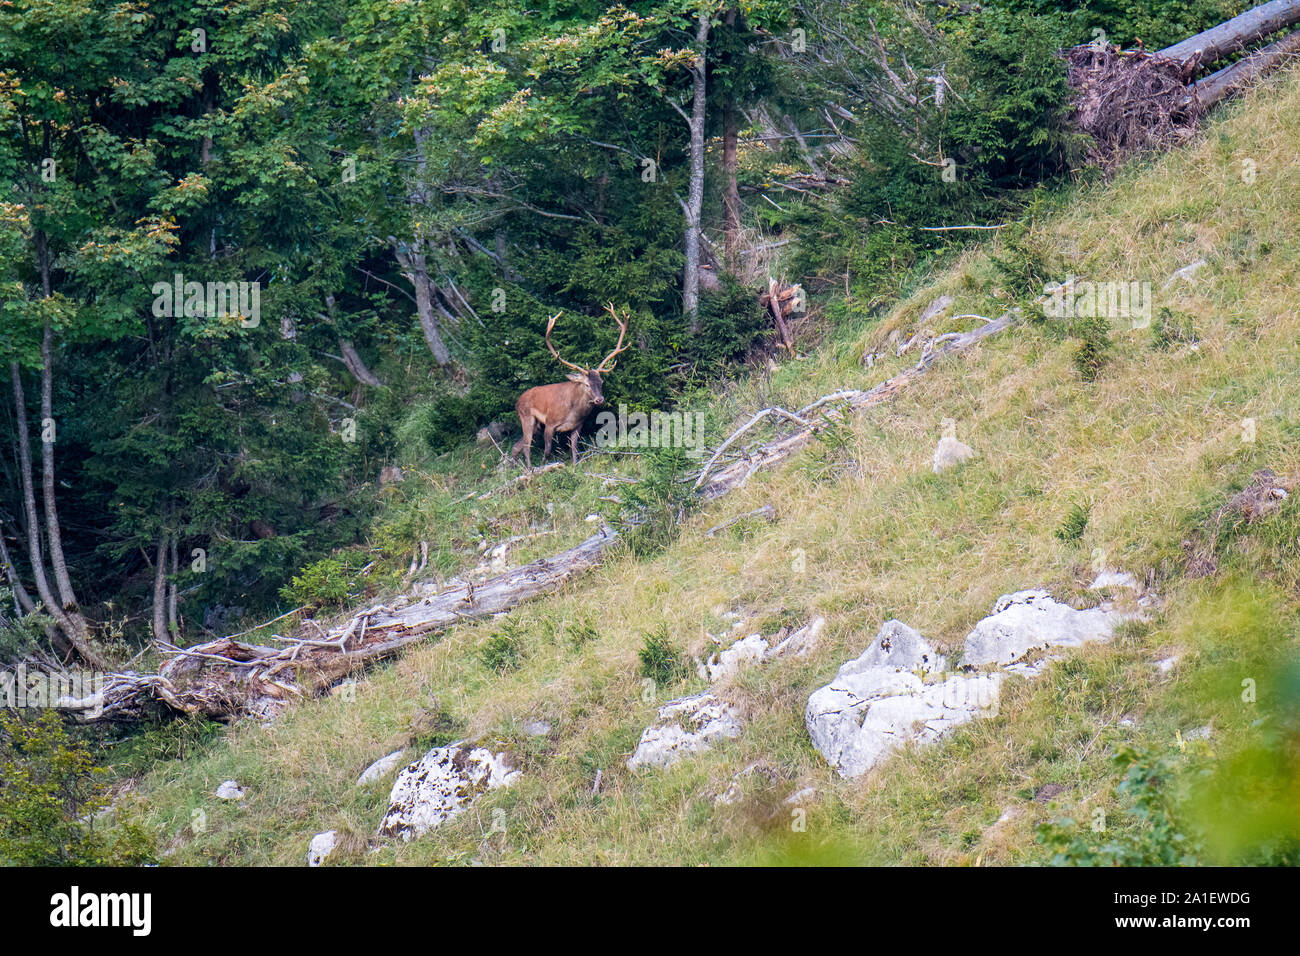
(730, 191)
(1235, 34)
(52, 528)
(160, 633)
(25, 602)
(414, 265)
(424, 306)
(417, 273)
(357, 366)
(730, 160)
(347, 351)
(53, 606)
(173, 598)
(695, 198)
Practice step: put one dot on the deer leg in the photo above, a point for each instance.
(547, 435)
(526, 442)
(573, 445)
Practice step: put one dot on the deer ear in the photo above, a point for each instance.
(577, 377)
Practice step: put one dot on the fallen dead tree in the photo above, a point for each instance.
(1235, 35)
(1131, 100)
(226, 679)
(1234, 77)
(1128, 101)
(782, 302)
(834, 408)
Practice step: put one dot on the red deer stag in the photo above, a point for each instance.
(564, 406)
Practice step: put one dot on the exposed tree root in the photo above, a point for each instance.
(1129, 101)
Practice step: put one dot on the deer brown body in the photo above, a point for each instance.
(563, 406)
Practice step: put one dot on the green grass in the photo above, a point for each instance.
(863, 532)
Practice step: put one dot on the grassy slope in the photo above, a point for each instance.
(1154, 443)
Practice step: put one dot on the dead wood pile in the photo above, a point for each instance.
(1128, 101)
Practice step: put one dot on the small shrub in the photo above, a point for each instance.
(1076, 521)
(503, 651)
(1093, 349)
(580, 634)
(1171, 329)
(1154, 838)
(434, 726)
(328, 582)
(661, 661)
(50, 793)
(19, 635)
(1025, 266)
(653, 509)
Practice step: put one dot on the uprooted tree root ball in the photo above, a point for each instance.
(1129, 101)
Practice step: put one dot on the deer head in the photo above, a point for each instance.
(589, 378)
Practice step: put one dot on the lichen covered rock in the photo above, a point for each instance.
(685, 726)
(440, 785)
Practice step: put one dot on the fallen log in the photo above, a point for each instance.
(738, 472)
(226, 679)
(1219, 85)
(1128, 101)
(1233, 36)
(782, 301)
(1131, 100)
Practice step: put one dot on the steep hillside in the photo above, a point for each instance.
(1178, 418)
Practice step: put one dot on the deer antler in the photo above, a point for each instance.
(622, 331)
(550, 325)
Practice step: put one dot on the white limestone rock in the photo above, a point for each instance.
(731, 794)
(879, 701)
(1114, 579)
(322, 845)
(951, 452)
(755, 649)
(442, 784)
(1027, 620)
(800, 642)
(230, 790)
(726, 663)
(898, 648)
(936, 308)
(863, 716)
(685, 726)
(380, 768)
